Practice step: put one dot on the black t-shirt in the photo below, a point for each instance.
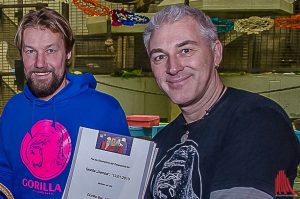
(243, 142)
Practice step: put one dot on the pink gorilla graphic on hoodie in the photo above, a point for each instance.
(46, 149)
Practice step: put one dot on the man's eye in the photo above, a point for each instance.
(50, 50)
(159, 58)
(185, 51)
(29, 51)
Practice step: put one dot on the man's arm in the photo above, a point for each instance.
(5, 173)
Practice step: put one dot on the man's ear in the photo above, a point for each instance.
(69, 55)
(218, 53)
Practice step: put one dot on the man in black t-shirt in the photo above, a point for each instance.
(226, 143)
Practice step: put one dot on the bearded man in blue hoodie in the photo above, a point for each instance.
(38, 127)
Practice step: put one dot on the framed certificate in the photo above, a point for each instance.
(109, 166)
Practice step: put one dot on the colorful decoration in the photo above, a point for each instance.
(223, 25)
(124, 17)
(253, 25)
(288, 22)
(282, 22)
(296, 21)
(91, 7)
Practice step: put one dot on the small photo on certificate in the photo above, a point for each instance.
(114, 143)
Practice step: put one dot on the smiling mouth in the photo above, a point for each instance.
(176, 80)
(41, 73)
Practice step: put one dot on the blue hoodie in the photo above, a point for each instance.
(37, 138)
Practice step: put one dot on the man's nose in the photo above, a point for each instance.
(40, 60)
(174, 65)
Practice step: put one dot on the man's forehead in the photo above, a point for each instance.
(34, 29)
(48, 38)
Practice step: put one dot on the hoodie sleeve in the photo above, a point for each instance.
(5, 171)
(123, 122)
(118, 117)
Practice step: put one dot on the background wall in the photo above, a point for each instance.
(140, 95)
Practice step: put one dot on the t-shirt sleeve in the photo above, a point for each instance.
(258, 144)
(239, 192)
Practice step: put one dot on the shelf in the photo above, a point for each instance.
(237, 8)
(98, 25)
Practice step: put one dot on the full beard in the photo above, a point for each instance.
(44, 88)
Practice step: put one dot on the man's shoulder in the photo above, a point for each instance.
(173, 127)
(247, 99)
(242, 95)
(97, 97)
(16, 99)
(13, 106)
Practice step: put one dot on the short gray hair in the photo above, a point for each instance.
(175, 13)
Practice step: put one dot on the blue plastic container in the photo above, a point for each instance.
(298, 134)
(137, 131)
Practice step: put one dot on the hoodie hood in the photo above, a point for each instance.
(77, 84)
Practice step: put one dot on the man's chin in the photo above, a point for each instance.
(179, 100)
(42, 88)
(41, 93)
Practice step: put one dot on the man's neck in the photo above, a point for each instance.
(202, 107)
